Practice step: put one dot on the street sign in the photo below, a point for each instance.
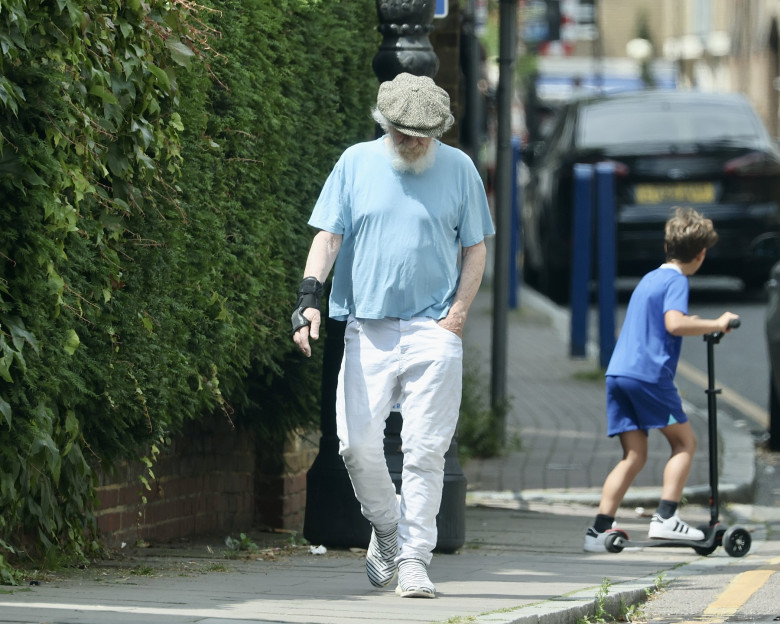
(442, 8)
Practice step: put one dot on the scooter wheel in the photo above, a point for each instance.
(736, 541)
(610, 542)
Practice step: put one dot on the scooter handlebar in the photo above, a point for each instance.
(715, 337)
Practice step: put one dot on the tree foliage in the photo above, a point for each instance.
(158, 162)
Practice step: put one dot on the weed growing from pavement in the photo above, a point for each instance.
(626, 612)
(599, 608)
(478, 433)
(631, 612)
(236, 546)
(142, 570)
(660, 583)
(294, 540)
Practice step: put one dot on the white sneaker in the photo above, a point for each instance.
(596, 542)
(413, 581)
(673, 528)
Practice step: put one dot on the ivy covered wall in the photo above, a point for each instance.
(158, 163)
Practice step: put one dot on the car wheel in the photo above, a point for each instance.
(530, 274)
(553, 279)
(555, 284)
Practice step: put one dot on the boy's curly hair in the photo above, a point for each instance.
(687, 233)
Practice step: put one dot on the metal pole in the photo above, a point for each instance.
(712, 428)
(515, 246)
(506, 61)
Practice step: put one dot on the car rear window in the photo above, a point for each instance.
(608, 123)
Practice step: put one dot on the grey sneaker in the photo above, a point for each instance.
(380, 558)
(413, 581)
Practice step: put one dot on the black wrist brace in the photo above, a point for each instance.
(309, 296)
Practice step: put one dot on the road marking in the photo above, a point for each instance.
(753, 411)
(736, 594)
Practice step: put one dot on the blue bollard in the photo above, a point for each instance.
(580, 258)
(607, 259)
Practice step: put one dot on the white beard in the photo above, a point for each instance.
(418, 165)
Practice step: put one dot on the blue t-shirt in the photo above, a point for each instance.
(644, 349)
(402, 232)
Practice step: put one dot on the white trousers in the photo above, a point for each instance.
(419, 364)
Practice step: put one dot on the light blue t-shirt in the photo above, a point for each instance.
(644, 349)
(402, 232)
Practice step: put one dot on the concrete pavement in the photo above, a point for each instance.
(525, 522)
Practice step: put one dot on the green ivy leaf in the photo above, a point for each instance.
(161, 76)
(6, 360)
(103, 93)
(180, 53)
(5, 410)
(19, 334)
(147, 323)
(72, 342)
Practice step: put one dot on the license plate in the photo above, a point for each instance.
(693, 192)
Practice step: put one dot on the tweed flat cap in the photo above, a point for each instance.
(415, 105)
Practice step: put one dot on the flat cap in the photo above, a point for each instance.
(415, 105)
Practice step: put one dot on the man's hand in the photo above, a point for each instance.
(301, 337)
(306, 313)
(454, 322)
(472, 267)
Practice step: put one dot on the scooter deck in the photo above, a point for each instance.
(655, 543)
(712, 539)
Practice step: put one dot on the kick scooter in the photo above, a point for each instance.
(735, 540)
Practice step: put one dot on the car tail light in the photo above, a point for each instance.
(621, 169)
(752, 164)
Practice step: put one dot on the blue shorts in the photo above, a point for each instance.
(633, 404)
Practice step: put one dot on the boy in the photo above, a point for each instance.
(641, 394)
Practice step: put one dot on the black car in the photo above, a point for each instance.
(709, 151)
(773, 346)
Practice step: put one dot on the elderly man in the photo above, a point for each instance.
(404, 219)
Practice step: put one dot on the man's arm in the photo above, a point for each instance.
(471, 270)
(322, 254)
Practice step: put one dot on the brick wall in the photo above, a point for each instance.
(210, 480)
(280, 489)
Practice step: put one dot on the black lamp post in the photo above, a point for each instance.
(405, 26)
(332, 514)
